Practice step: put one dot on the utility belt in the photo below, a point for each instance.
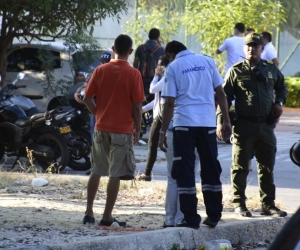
(255, 119)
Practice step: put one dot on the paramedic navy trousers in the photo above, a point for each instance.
(185, 140)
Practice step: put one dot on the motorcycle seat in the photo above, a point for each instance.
(36, 116)
(23, 122)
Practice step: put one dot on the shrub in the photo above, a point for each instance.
(293, 86)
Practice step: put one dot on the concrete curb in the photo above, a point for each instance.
(294, 110)
(245, 231)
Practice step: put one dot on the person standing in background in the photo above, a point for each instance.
(142, 58)
(155, 88)
(269, 52)
(104, 58)
(249, 31)
(234, 46)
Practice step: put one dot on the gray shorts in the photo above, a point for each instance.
(113, 155)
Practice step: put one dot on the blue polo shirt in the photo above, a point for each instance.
(191, 79)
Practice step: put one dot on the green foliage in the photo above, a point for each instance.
(50, 87)
(48, 20)
(293, 86)
(35, 18)
(172, 5)
(293, 18)
(138, 25)
(76, 42)
(212, 21)
(86, 45)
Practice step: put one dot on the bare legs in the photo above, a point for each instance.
(92, 188)
(111, 195)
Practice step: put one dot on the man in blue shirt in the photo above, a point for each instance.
(190, 83)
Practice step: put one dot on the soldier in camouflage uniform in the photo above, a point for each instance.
(259, 91)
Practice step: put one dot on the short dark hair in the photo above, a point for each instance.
(240, 27)
(266, 35)
(154, 34)
(164, 60)
(250, 30)
(174, 47)
(123, 44)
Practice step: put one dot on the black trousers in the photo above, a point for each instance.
(185, 140)
(152, 145)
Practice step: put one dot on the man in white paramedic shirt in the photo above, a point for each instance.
(269, 52)
(190, 83)
(234, 46)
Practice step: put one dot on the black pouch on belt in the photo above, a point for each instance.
(271, 119)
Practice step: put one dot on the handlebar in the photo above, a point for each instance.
(11, 86)
(57, 112)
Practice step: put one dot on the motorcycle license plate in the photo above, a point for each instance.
(64, 130)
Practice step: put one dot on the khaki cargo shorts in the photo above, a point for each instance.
(113, 155)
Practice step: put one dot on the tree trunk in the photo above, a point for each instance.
(4, 46)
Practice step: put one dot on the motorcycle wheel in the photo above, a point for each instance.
(61, 151)
(79, 155)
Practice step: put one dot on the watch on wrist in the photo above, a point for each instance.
(279, 103)
(162, 132)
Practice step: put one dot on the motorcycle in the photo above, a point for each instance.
(23, 102)
(76, 118)
(41, 134)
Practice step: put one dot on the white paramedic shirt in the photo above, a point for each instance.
(191, 79)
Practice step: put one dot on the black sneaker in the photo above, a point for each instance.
(272, 210)
(109, 223)
(166, 225)
(243, 211)
(210, 223)
(185, 224)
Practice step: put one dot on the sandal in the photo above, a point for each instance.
(88, 219)
(109, 223)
